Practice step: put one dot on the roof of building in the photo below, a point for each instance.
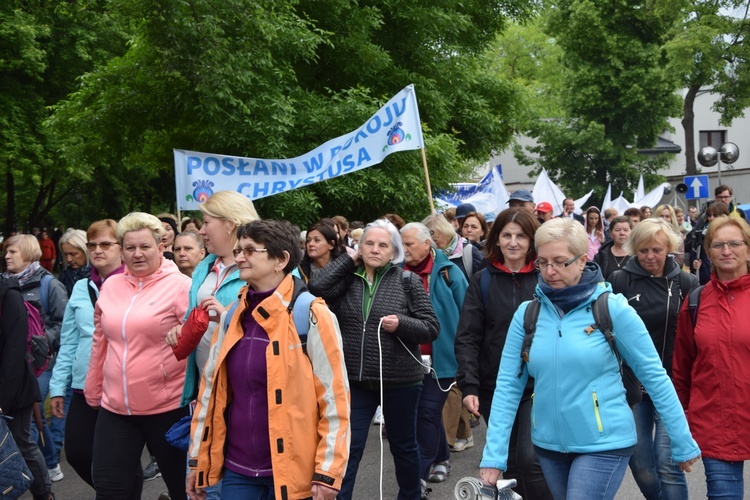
(662, 146)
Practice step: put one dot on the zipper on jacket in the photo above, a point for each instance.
(364, 324)
(666, 321)
(596, 412)
(637, 298)
(125, 348)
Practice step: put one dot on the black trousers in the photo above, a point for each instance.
(118, 445)
(79, 442)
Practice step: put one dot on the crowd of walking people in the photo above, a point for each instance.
(251, 358)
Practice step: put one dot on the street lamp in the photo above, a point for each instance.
(728, 153)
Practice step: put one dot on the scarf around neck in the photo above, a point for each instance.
(24, 275)
(572, 296)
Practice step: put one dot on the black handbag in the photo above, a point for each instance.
(15, 476)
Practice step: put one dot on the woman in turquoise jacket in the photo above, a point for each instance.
(582, 427)
(216, 280)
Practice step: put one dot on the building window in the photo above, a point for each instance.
(713, 138)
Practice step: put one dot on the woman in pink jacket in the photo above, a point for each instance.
(133, 377)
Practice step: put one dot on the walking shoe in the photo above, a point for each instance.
(378, 418)
(425, 490)
(439, 472)
(151, 471)
(55, 473)
(462, 444)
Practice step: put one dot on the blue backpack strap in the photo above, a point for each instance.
(484, 284)
(230, 313)
(301, 314)
(44, 292)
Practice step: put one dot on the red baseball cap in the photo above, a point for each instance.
(544, 207)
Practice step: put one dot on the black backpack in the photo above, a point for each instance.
(603, 321)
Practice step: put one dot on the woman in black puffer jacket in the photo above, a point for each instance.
(655, 287)
(384, 315)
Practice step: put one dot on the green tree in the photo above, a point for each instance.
(616, 93)
(274, 79)
(708, 52)
(44, 48)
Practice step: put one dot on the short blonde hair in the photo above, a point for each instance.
(75, 238)
(439, 224)
(104, 227)
(135, 221)
(230, 206)
(27, 245)
(563, 229)
(646, 231)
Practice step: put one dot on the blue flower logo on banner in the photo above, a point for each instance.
(202, 191)
(396, 135)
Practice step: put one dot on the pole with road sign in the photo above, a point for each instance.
(697, 187)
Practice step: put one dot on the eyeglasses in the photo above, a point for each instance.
(104, 245)
(247, 251)
(725, 197)
(719, 245)
(555, 265)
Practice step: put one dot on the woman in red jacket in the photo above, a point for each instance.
(711, 363)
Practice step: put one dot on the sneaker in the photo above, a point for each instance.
(439, 472)
(151, 471)
(462, 444)
(55, 473)
(425, 490)
(378, 418)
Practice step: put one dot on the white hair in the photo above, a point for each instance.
(422, 234)
(398, 247)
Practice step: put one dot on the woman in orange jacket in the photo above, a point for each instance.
(272, 414)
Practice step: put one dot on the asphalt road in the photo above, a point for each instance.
(368, 480)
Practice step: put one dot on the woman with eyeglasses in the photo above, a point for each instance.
(75, 348)
(711, 365)
(655, 286)
(272, 417)
(699, 258)
(493, 296)
(582, 427)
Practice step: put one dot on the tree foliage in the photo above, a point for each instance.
(44, 48)
(276, 78)
(708, 51)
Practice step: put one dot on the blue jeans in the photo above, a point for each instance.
(54, 433)
(400, 413)
(723, 479)
(657, 476)
(433, 447)
(239, 487)
(583, 476)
